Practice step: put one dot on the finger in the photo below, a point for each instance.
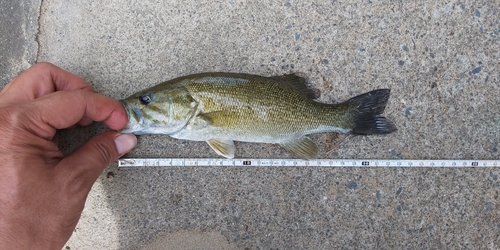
(39, 80)
(66, 108)
(85, 164)
(85, 121)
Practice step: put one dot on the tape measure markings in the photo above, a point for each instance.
(210, 162)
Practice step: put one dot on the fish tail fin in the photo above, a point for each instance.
(367, 113)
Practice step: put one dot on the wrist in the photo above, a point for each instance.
(17, 235)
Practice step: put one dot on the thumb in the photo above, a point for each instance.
(100, 151)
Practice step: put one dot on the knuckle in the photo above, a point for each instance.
(11, 116)
(81, 95)
(44, 65)
(104, 151)
(11, 121)
(18, 119)
(78, 186)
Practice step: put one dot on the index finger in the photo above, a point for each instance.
(39, 80)
(63, 109)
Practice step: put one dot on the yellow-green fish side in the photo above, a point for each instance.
(263, 109)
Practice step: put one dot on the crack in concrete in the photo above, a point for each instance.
(37, 35)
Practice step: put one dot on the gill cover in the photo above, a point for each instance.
(162, 109)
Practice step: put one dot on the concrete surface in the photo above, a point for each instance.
(441, 60)
(18, 45)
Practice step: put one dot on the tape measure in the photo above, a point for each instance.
(212, 162)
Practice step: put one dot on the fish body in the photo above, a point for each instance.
(220, 108)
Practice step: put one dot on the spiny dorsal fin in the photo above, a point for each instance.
(298, 82)
(304, 148)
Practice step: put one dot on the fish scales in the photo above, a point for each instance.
(222, 107)
(260, 105)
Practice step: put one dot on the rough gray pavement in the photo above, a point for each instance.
(441, 61)
(18, 45)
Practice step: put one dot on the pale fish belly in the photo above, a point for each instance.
(210, 132)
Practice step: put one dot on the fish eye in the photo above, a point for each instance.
(145, 99)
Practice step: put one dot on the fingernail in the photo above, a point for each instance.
(125, 142)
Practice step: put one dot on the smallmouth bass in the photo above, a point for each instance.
(220, 108)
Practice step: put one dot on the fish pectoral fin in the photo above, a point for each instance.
(304, 147)
(222, 147)
(199, 122)
(219, 118)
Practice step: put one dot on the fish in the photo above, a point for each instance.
(220, 108)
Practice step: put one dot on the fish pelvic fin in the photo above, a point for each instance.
(304, 148)
(222, 147)
(367, 112)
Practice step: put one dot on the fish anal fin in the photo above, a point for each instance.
(222, 147)
(303, 147)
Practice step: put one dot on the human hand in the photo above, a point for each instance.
(42, 193)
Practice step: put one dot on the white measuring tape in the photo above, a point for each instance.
(211, 162)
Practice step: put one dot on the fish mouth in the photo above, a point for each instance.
(135, 119)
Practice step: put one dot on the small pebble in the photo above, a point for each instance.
(476, 70)
(352, 185)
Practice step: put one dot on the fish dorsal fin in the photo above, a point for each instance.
(222, 147)
(298, 82)
(304, 148)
